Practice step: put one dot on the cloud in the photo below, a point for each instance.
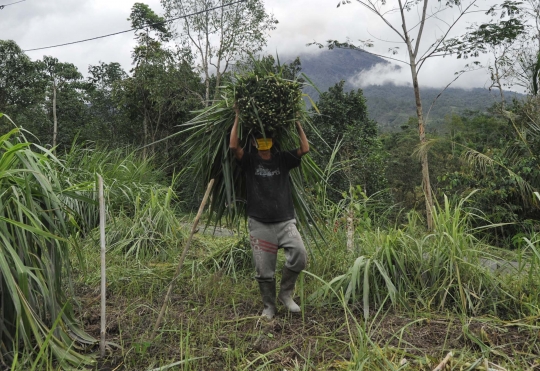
(382, 74)
(436, 73)
(302, 22)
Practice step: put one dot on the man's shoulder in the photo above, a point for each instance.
(246, 160)
(292, 153)
(288, 152)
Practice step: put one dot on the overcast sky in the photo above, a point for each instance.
(38, 23)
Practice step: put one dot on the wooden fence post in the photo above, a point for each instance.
(103, 270)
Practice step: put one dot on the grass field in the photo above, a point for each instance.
(213, 323)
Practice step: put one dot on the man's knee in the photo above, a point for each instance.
(302, 260)
(298, 261)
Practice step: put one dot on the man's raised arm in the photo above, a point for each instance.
(304, 144)
(234, 144)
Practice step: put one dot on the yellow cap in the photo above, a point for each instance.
(264, 144)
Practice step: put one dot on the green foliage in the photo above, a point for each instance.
(20, 82)
(22, 88)
(505, 167)
(344, 118)
(161, 92)
(35, 229)
(447, 269)
(404, 171)
(478, 40)
(127, 178)
(59, 73)
(142, 212)
(151, 227)
(160, 95)
(143, 17)
(106, 123)
(233, 259)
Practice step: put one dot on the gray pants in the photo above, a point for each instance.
(267, 238)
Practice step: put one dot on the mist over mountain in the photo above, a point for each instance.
(388, 103)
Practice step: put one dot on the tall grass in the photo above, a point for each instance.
(35, 226)
(448, 269)
(126, 176)
(153, 225)
(46, 205)
(142, 212)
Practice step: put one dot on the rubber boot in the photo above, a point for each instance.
(288, 279)
(268, 293)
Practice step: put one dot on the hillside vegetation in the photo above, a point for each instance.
(388, 104)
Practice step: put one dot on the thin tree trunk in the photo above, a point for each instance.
(206, 61)
(218, 81)
(145, 128)
(499, 85)
(426, 183)
(55, 121)
(207, 95)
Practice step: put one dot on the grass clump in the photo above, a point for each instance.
(267, 102)
(447, 269)
(36, 315)
(153, 226)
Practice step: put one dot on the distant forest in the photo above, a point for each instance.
(391, 105)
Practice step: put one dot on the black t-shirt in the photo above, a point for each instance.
(269, 197)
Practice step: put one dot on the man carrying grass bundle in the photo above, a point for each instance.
(271, 219)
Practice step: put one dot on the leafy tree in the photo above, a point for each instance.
(344, 118)
(60, 75)
(507, 40)
(163, 88)
(218, 33)
(149, 58)
(22, 87)
(107, 121)
(409, 26)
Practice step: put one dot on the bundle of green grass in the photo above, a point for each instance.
(269, 102)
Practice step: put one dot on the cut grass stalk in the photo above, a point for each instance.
(181, 262)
